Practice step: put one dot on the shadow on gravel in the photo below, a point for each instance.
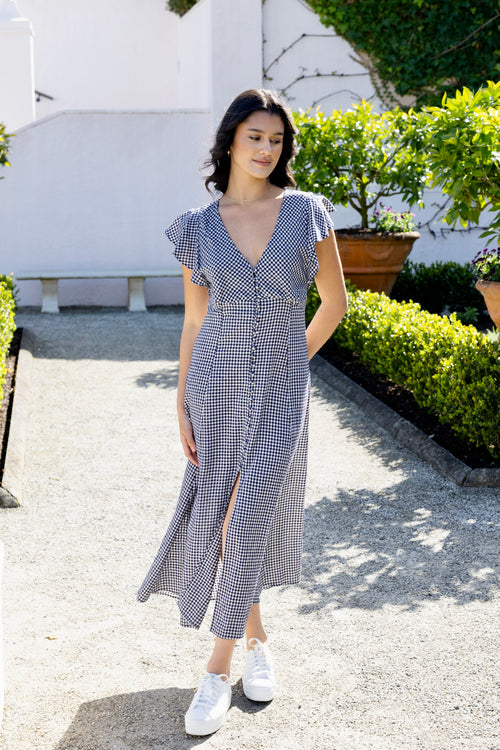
(132, 721)
(164, 378)
(357, 426)
(365, 549)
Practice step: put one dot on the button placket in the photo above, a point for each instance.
(253, 354)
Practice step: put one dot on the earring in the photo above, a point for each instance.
(228, 152)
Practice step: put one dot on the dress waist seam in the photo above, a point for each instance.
(251, 302)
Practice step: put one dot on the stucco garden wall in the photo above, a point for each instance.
(103, 54)
(95, 190)
(116, 154)
(297, 47)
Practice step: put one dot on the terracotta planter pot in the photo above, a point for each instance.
(373, 261)
(491, 293)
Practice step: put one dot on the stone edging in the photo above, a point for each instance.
(405, 432)
(11, 490)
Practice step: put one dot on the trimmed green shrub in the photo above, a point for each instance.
(452, 370)
(7, 325)
(439, 287)
(11, 286)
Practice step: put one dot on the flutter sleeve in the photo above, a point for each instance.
(184, 233)
(319, 227)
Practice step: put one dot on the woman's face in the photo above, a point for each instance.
(257, 144)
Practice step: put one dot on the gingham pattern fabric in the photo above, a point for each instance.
(247, 396)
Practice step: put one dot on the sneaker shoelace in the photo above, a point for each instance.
(260, 667)
(209, 689)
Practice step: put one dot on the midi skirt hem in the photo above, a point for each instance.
(217, 631)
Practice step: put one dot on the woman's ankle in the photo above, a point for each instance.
(220, 660)
(218, 667)
(260, 634)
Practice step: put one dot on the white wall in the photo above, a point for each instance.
(194, 50)
(95, 190)
(319, 51)
(236, 51)
(17, 100)
(103, 53)
(220, 53)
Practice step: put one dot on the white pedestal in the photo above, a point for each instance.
(49, 296)
(136, 301)
(16, 67)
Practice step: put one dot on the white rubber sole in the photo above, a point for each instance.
(201, 728)
(259, 694)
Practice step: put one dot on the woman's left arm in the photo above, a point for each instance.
(331, 289)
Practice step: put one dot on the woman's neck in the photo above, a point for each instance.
(239, 191)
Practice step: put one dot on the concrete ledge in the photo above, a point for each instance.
(136, 278)
(11, 490)
(405, 432)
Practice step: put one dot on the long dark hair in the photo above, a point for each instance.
(253, 100)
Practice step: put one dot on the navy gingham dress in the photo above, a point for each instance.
(247, 396)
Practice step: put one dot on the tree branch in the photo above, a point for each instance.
(317, 74)
(292, 44)
(469, 36)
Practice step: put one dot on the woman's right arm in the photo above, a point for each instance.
(195, 310)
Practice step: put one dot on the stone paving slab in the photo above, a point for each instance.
(390, 641)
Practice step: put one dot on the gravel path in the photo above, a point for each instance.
(390, 641)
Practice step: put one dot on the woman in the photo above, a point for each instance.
(248, 260)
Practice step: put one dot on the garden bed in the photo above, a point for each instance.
(8, 395)
(403, 403)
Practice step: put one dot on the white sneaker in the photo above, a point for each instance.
(209, 705)
(258, 677)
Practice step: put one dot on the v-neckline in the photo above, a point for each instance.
(253, 267)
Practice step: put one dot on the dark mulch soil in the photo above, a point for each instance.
(403, 403)
(8, 395)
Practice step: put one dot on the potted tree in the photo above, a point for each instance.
(486, 271)
(464, 157)
(356, 158)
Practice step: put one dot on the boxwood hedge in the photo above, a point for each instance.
(452, 370)
(7, 325)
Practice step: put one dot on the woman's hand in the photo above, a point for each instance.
(187, 438)
(195, 309)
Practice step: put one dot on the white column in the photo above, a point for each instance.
(236, 51)
(17, 96)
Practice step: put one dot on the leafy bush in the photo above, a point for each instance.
(452, 370)
(4, 147)
(180, 6)
(8, 281)
(358, 157)
(439, 287)
(7, 325)
(418, 48)
(463, 148)
(486, 265)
